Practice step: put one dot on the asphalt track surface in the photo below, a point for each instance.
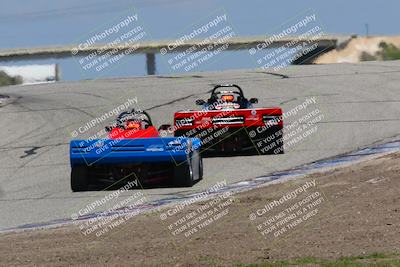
(360, 104)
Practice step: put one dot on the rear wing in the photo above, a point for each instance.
(231, 118)
(125, 151)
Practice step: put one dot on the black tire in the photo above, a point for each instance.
(189, 171)
(197, 165)
(183, 175)
(186, 173)
(79, 178)
(201, 169)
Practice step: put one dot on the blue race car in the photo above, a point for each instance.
(135, 150)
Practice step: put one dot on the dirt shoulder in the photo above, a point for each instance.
(350, 211)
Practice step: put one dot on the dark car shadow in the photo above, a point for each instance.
(234, 154)
(109, 186)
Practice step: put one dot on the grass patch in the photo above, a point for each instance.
(371, 256)
(373, 260)
(387, 52)
(8, 80)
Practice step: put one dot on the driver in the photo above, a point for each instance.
(133, 125)
(227, 98)
(133, 121)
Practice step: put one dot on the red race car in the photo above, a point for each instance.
(228, 124)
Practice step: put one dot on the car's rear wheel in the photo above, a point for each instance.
(201, 168)
(197, 165)
(183, 175)
(79, 178)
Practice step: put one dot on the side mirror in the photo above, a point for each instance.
(200, 102)
(253, 100)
